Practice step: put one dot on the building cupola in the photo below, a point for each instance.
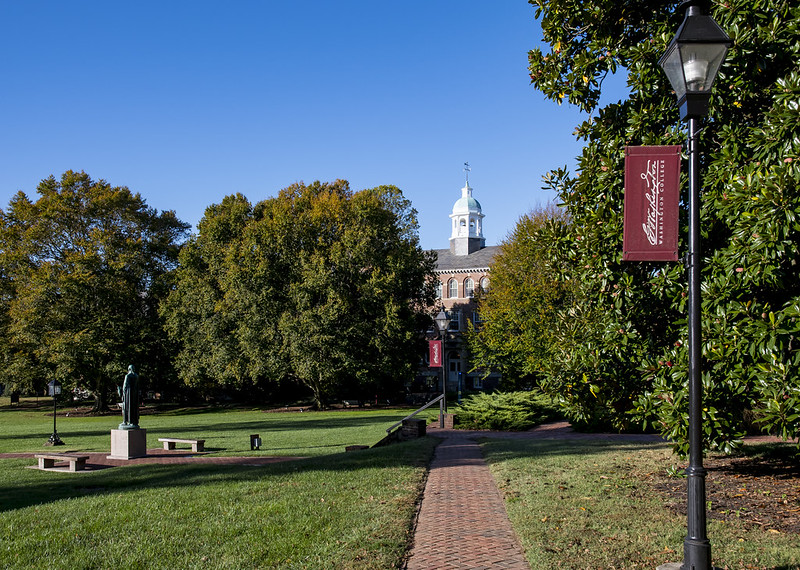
(467, 222)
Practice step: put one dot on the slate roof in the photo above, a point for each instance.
(481, 259)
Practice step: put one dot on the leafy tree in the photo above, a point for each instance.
(82, 271)
(320, 284)
(621, 350)
(518, 311)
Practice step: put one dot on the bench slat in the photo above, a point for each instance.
(48, 460)
(63, 456)
(169, 443)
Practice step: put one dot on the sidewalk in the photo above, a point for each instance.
(462, 521)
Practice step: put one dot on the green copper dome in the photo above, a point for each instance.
(466, 204)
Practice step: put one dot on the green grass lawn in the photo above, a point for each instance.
(226, 430)
(329, 510)
(577, 504)
(573, 504)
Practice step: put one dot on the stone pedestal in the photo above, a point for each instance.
(449, 421)
(128, 443)
(412, 428)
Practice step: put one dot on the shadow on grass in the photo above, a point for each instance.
(303, 424)
(21, 487)
(63, 432)
(206, 428)
(500, 450)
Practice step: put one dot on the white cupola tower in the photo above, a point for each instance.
(467, 223)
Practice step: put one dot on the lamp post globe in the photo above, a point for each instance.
(441, 322)
(693, 59)
(691, 63)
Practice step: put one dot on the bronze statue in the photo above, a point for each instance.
(129, 394)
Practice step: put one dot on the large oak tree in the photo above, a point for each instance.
(82, 270)
(319, 284)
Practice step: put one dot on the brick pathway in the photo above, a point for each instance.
(462, 521)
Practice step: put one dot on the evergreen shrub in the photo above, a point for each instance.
(505, 411)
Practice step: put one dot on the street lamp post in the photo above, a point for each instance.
(691, 63)
(442, 322)
(54, 389)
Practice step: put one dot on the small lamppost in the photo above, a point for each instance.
(54, 389)
(691, 63)
(442, 322)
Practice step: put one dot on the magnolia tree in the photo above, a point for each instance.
(618, 352)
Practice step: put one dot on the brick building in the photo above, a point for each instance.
(461, 269)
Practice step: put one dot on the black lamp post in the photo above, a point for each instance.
(442, 322)
(54, 389)
(691, 63)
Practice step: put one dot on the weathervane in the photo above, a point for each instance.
(466, 170)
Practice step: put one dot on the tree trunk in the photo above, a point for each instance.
(319, 394)
(100, 398)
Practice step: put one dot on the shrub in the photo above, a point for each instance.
(505, 411)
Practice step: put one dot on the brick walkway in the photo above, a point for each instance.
(462, 521)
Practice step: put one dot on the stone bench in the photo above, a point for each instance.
(48, 460)
(169, 443)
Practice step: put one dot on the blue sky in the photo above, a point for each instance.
(188, 101)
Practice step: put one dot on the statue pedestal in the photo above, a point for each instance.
(128, 443)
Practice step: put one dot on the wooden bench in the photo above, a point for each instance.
(48, 460)
(169, 443)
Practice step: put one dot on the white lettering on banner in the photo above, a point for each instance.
(654, 180)
(435, 353)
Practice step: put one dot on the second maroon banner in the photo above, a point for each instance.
(652, 194)
(435, 353)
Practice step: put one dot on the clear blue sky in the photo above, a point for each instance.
(188, 101)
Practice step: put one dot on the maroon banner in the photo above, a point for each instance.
(435, 353)
(652, 193)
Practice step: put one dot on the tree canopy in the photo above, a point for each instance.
(319, 284)
(517, 313)
(82, 270)
(620, 355)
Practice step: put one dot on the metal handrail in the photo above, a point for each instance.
(411, 415)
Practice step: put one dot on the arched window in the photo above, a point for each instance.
(452, 289)
(438, 289)
(485, 283)
(469, 287)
